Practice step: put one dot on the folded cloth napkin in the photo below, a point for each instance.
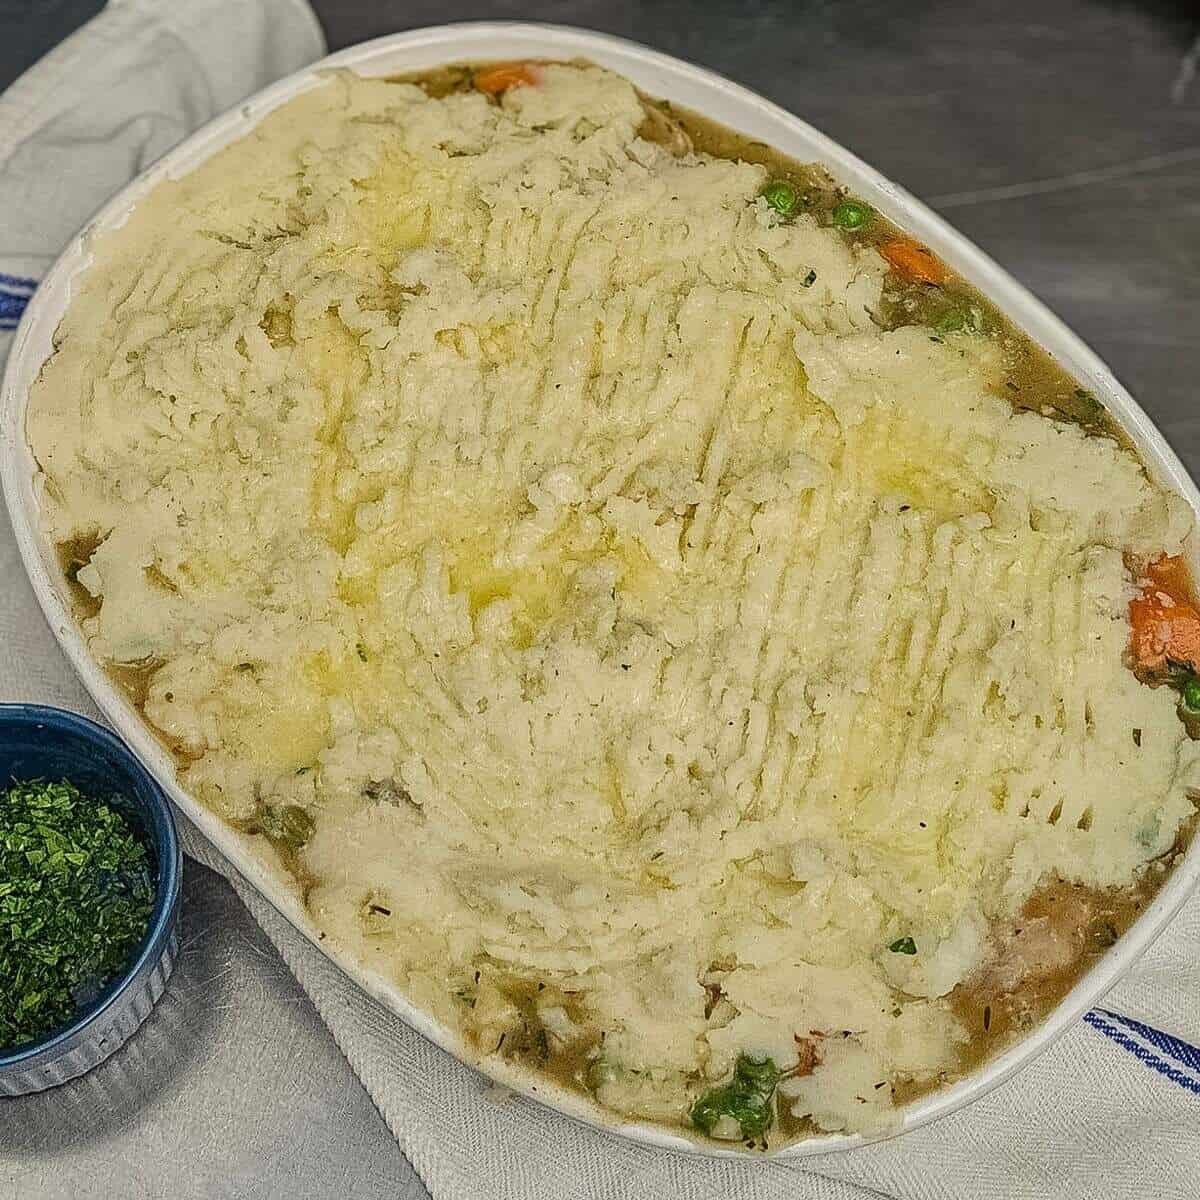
(1111, 1110)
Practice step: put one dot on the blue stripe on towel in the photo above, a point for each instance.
(18, 281)
(12, 305)
(1176, 1048)
(1098, 1020)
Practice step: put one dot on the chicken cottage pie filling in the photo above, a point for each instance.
(654, 612)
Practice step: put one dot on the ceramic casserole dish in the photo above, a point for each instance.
(757, 119)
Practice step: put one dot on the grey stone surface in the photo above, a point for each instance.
(1061, 135)
(28, 28)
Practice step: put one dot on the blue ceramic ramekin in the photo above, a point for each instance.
(47, 743)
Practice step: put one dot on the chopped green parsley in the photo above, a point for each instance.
(76, 895)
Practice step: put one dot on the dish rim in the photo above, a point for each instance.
(738, 108)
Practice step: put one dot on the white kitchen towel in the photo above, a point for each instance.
(1112, 1110)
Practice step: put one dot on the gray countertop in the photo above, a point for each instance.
(1062, 135)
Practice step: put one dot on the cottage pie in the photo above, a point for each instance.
(652, 609)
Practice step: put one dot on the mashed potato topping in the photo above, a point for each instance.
(654, 647)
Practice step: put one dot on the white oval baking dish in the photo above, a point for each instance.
(733, 106)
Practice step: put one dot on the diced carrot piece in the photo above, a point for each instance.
(494, 80)
(1165, 617)
(1169, 574)
(913, 261)
(1164, 630)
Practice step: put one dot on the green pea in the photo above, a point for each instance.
(781, 196)
(851, 214)
(757, 1074)
(746, 1098)
(904, 945)
(951, 321)
(751, 1112)
(1190, 694)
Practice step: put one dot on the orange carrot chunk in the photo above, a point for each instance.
(494, 80)
(1166, 623)
(1169, 574)
(913, 261)
(1162, 632)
